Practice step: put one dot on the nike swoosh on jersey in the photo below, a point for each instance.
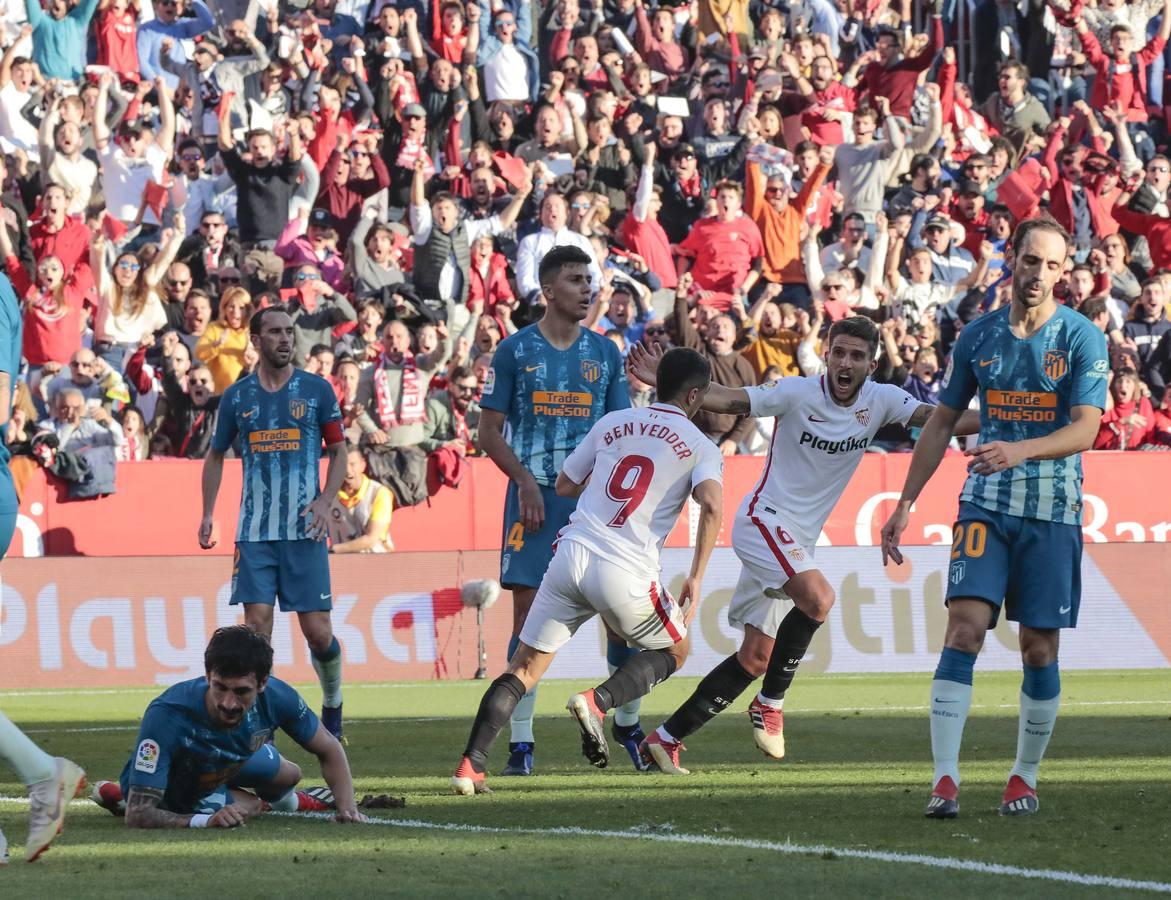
(813, 418)
(533, 368)
(985, 363)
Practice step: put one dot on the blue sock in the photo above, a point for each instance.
(1040, 699)
(328, 666)
(521, 723)
(617, 652)
(951, 698)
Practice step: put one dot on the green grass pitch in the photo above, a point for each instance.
(856, 779)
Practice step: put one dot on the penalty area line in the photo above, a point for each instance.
(787, 848)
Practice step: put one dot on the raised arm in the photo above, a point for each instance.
(643, 363)
(101, 105)
(166, 136)
(168, 252)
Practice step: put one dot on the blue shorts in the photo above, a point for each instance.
(259, 770)
(524, 556)
(294, 572)
(1033, 567)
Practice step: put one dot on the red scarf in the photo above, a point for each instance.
(412, 407)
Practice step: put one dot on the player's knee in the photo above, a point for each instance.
(289, 773)
(679, 652)
(817, 603)
(753, 656)
(1038, 649)
(965, 638)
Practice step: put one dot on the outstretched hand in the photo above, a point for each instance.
(642, 362)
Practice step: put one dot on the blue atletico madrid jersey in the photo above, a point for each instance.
(1027, 389)
(280, 435)
(551, 398)
(11, 324)
(181, 752)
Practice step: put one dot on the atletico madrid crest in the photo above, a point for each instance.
(297, 408)
(591, 370)
(1056, 364)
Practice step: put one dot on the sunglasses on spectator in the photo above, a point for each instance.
(179, 282)
(191, 157)
(570, 70)
(721, 85)
(773, 191)
(308, 276)
(581, 206)
(833, 287)
(466, 388)
(355, 153)
(658, 330)
(909, 348)
(501, 23)
(129, 266)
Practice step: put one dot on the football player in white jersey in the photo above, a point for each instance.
(823, 426)
(647, 462)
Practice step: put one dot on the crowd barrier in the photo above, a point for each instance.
(91, 623)
(156, 509)
(71, 618)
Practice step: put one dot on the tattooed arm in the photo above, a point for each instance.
(143, 811)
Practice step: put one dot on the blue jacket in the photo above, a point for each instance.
(150, 40)
(59, 44)
(490, 44)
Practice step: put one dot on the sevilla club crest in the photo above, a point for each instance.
(862, 415)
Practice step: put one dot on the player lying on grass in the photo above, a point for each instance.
(823, 426)
(204, 757)
(647, 462)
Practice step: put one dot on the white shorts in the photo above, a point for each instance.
(770, 554)
(579, 584)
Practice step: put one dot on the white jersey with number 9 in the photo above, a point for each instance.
(643, 464)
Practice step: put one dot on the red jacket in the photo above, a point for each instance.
(1156, 228)
(897, 83)
(494, 288)
(1112, 431)
(1102, 223)
(1115, 81)
(70, 244)
(51, 333)
(344, 201)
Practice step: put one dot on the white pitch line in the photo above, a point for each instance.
(789, 848)
(99, 729)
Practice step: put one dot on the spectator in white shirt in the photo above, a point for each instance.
(851, 250)
(79, 424)
(62, 162)
(17, 75)
(554, 233)
(132, 160)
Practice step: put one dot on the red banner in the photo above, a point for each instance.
(155, 511)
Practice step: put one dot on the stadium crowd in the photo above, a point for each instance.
(742, 173)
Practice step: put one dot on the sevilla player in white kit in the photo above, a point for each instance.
(634, 472)
(823, 427)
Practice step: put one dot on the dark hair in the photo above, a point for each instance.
(459, 372)
(441, 196)
(559, 257)
(680, 370)
(859, 327)
(1092, 307)
(318, 349)
(236, 651)
(921, 163)
(1039, 223)
(190, 144)
(805, 147)
(256, 323)
(1014, 65)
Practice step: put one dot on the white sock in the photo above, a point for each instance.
(287, 803)
(769, 701)
(31, 763)
(950, 702)
(521, 723)
(665, 735)
(329, 674)
(1035, 729)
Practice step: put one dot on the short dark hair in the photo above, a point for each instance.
(256, 323)
(236, 651)
(859, 327)
(556, 259)
(1092, 307)
(1039, 223)
(921, 162)
(680, 370)
(318, 349)
(441, 196)
(460, 372)
(1014, 65)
